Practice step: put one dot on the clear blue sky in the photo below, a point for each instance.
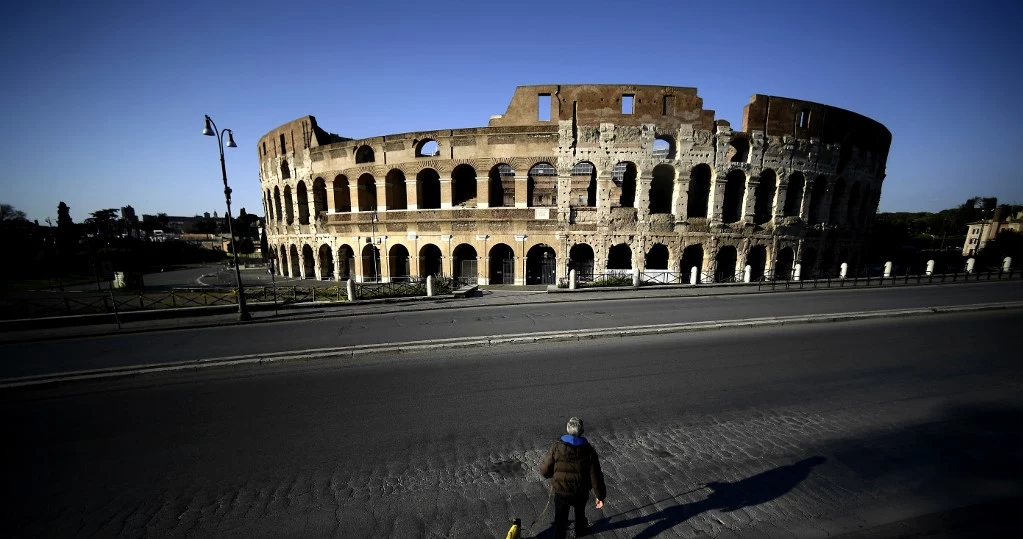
(105, 100)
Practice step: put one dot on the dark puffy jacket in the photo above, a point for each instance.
(573, 467)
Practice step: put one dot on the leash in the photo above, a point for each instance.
(550, 494)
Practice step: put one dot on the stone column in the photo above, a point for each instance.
(483, 191)
(804, 208)
(385, 260)
(330, 196)
(680, 199)
(780, 196)
(717, 198)
(337, 264)
(353, 196)
(521, 191)
(301, 263)
(445, 194)
(643, 180)
(381, 195)
(749, 199)
(411, 194)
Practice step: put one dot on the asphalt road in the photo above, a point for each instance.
(809, 429)
(32, 358)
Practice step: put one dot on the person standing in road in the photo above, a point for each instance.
(573, 468)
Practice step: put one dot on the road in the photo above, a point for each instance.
(184, 345)
(809, 429)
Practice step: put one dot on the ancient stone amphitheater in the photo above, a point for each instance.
(597, 178)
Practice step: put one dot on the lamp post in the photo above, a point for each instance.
(211, 130)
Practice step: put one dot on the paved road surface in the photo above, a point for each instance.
(809, 429)
(184, 345)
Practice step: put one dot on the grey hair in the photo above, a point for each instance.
(575, 426)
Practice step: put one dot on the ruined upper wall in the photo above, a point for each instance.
(595, 103)
(302, 134)
(783, 116)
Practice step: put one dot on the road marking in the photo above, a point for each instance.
(353, 351)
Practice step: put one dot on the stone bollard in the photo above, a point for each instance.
(747, 272)
(429, 286)
(1007, 263)
(888, 269)
(571, 280)
(796, 271)
(844, 271)
(635, 278)
(693, 275)
(350, 288)
(969, 265)
(930, 267)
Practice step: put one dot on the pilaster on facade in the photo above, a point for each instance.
(446, 194)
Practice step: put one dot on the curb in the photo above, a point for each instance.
(354, 352)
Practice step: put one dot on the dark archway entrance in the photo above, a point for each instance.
(783, 267)
(430, 261)
(794, 195)
(326, 260)
(580, 259)
(619, 257)
(541, 265)
(398, 263)
(345, 263)
(699, 191)
(463, 186)
(808, 266)
(763, 207)
(692, 257)
(370, 263)
(624, 174)
(657, 258)
(293, 255)
(501, 191)
(464, 264)
(502, 265)
(725, 272)
(756, 259)
(428, 189)
(735, 188)
(662, 188)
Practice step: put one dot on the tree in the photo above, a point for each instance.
(9, 214)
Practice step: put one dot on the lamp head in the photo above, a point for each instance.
(208, 131)
(230, 140)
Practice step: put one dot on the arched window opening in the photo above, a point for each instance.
(295, 270)
(430, 261)
(783, 267)
(542, 185)
(580, 259)
(326, 262)
(738, 152)
(692, 257)
(394, 190)
(283, 266)
(619, 257)
(808, 267)
(371, 263)
(763, 207)
(794, 195)
(501, 187)
(756, 259)
(364, 155)
(735, 188)
(427, 148)
(502, 264)
(398, 263)
(657, 258)
(584, 176)
(285, 170)
(817, 191)
(699, 191)
(303, 204)
(277, 204)
(664, 147)
(464, 264)
(541, 265)
(308, 262)
(662, 188)
(367, 190)
(428, 189)
(342, 194)
(345, 263)
(836, 202)
(725, 260)
(269, 206)
(289, 206)
(624, 175)
(463, 186)
(319, 196)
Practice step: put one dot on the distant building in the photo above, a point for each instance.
(128, 214)
(981, 232)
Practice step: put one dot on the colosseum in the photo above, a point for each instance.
(596, 178)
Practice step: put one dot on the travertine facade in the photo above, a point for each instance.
(590, 177)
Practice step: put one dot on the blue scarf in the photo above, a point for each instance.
(573, 440)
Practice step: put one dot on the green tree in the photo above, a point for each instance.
(9, 214)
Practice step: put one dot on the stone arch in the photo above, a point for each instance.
(817, 192)
(428, 189)
(738, 151)
(783, 266)
(463, 186)
(269, 205)
(394, 190)
(836, 201)
(735, 188)
(657, 257)
(370, 263)
(367, 190)
(619, 257)
(302, 196)
(580, 259)
(725, 264)
(692, 256)
(699, 190)
(624, 174)
(319, 196)
(430, 261)
(464, 262)
(541, 189)
(296, 270)
(398, 263)
(325, 259)
(664, 147)
(756, 259)
(364, 154)
(763, 206)
(501, 186)
(585, 173)
(308, 262)
(794, 194)
(289, 205)
(277, 203)
(541, 264)
(502, 264)
(345, 262)
(662, 188)
(342, 194)
(427, 147)
(285, 170)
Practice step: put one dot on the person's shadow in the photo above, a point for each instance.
(751, 491)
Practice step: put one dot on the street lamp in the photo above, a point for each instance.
(211, 130)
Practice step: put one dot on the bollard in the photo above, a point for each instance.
(797, 271)
(746, 273)
(350, 288)
(969, 265)
(888, 269)
(429, 285)
(1006, 263)
(844, 271)
(693, 273)
(930, 267)
(571, 280)
(635, 278)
